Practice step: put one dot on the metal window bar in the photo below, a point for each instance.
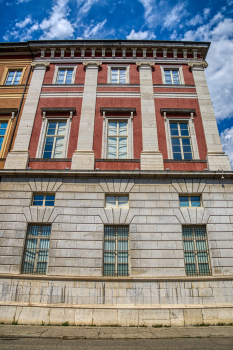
(36, 249)
(196, 252)
(116, 254)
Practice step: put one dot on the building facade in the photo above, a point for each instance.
(116, 197)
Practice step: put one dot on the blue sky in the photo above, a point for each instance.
(23, 20)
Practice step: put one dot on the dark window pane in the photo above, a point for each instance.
(177, 156)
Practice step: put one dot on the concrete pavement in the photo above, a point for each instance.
(76, 332)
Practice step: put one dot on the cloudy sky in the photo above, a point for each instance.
(209, 20)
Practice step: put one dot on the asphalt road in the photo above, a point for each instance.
(215, 343)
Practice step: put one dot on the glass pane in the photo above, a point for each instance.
(168, 79)
(199, 231)
(186, 142)
(201, 245)
(61, 128)
(184, 201)
(61, 76)
(48, 147)
(175, 142)
(188, 156)
(123, 246)
(187, 232)
(109, 269)
(188, 246)
(177, 156)
(110, 201)
(49, 200)
(33, 230)
(123, 148)
(43, 255)
(114, 76)
(10, 77)
(31, 243)
(122, 76)
(110, 231)
(38, 200)
(17, 78)
(110, 245)
(123, 201)
(69, 76)
(112, 128)
(204, 269)
(195, 201)
(123, 128)
(28, 267)
(44, 243)
(58, 147)
(175, 75)
(45, 230)
(123, 231)
(41, 267)
(187, 149)
(122, 270)
(109, 257)
(51, 128)
(1, 142)
(190, 269)
(174, 132)
(112, 148)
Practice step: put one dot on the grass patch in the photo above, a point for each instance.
(157, 326)
(221, 324)
(65, 323)
(15, 323)
(201, 325)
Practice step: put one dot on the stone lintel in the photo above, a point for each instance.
(83, 160)
(177, 110)
(58, 110)
(8, 110)
(117, 110)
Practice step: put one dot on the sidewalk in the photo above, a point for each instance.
(76, 332)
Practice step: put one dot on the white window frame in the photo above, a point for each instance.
(174, 67)
(189, 200)
(129, 121)
(40, 148)
(117, 200)
(56, 71)
(111, 67)
(193, 139)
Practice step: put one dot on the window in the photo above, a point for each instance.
(190, 201)
(13, 77)
(44, 200)
(117, 140)
(196, 253)
(118, 76)
(116, 253)
(172, 74)
(113, 201)
(3, 128)
(181, 143)
(65, 76)
(37, 249)
(54, 139)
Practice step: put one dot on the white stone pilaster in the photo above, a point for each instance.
(151, 157)
(84, 158)
(216, 158)
(18, 157)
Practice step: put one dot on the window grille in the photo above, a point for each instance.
(118, 140)
(54, 140)
(116, 255)
(181, 143)
(196, 253)
(37, 249)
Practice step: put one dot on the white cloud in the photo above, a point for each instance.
(175, 15)
(229, 2)
(194, 21)
(206, 12)
(85, 6)
(58, 26)
(150, 11)
(146, 35)
(21, 1)
(92, 32)
(227, 143)
(24, 23)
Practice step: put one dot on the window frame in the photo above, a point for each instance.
(44, 199)
(189, 200)
(116, 274)
(195, 251)
(37, 249)
(117, 200)
(43, 134)
(106, 120)
(172, 67)
(67, 67)
(6, 136)
(115, 67)
(9, 69)
(192, 136)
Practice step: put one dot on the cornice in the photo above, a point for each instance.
(202, 64)
(92, 63)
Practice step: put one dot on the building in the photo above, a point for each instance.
(116, 197)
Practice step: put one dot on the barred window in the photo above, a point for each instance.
(196, 252)
(37, 249)
(116, 255)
